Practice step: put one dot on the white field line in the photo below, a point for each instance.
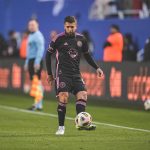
(69, 118)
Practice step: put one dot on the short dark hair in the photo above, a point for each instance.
(34, 19)
(115, 27)
(70, 19)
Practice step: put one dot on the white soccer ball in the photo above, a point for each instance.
(83, 119)
(147, 104)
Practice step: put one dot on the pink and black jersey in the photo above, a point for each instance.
(68, 53)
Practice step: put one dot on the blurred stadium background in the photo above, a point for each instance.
(115, 102)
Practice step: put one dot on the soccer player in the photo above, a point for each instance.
(33, 63)
(69, 46)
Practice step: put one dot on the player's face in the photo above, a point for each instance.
(32, 26)
(70, 28)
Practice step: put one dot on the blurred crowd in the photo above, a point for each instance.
(102, 9)
(117, 47)
(15, 45)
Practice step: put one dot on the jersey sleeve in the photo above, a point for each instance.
(52, 47)
(40, 49)
(85, 47)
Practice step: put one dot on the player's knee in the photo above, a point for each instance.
(63, 97)
(82, 95)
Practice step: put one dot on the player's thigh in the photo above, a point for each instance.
(62, 87)
(79, 88)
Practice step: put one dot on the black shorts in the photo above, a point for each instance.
(69, 84)
(31, 69)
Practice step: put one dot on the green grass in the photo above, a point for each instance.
(24, 131)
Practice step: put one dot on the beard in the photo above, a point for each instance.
(70, 34)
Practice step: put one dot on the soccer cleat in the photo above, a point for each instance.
(90, 127)
(38, 106)
(61, 130)
(32, 108)
(39, 109)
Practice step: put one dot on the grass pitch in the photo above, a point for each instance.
(22, 130)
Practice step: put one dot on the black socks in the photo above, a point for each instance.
(80, 105)
(61, 109)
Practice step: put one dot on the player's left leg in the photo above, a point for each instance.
(81, 100)
(80, 92)
(81, 97)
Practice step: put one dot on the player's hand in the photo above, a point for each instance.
(36, 68)
(50, 79)
(100, 72)
(25, 67)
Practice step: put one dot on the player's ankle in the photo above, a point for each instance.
(62, 127)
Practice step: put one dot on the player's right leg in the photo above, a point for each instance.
(62, 87)
(61, 109)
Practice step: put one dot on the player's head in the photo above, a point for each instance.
(114, 28)
(33, 25)
(70, 25)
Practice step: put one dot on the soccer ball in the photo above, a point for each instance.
(83, 119)
(147, 104)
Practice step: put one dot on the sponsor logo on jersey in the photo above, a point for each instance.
(73, 53)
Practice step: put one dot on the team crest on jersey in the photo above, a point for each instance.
(79, 44)
(62, 84)
(73, 53)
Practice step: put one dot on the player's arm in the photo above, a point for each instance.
(49, 53)
(40, 52)
(90, 60)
